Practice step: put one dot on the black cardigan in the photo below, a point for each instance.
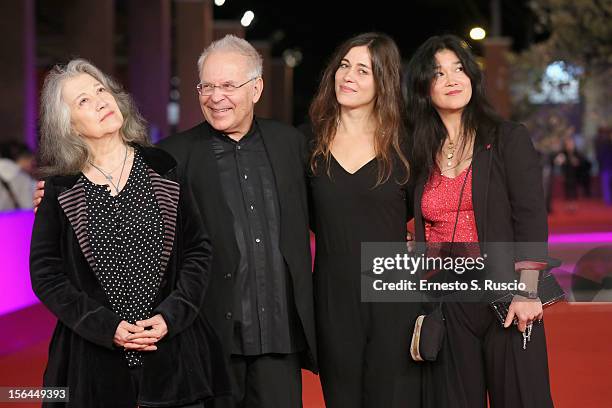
(186, 366)
(507, 195)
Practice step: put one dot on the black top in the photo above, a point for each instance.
(341, 198)
(126, 235)
(264, 319)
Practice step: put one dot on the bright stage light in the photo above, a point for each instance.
(247, 18)
(477, 33)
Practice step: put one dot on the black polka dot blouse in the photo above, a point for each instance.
(126, 236)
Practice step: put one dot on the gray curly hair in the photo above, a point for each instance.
(62, 150)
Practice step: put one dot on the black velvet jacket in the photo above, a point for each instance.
(187, 366)
(286, 151)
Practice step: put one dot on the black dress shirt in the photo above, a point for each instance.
(265, 321)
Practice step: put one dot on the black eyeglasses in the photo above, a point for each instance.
(227, 88)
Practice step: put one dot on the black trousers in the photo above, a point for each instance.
(363, 348)
(266, 381)
(135, 374)
(481, 358)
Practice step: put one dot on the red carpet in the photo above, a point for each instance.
(579, 345)
(589, 215)
(579, 336)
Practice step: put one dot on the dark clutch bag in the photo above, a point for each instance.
(549, 292)
(428, 336)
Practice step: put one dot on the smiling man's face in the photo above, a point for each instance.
(231, 113)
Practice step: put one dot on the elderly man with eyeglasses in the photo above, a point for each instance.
(247, 175)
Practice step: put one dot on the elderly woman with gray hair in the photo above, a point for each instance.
(118, 255)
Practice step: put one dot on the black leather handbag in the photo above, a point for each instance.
(549, 292)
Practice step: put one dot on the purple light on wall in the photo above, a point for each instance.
(599, 237)
(15, 234)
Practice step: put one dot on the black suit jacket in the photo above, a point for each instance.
(285, 148)
(507, 194)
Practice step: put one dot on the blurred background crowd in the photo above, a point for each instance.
(17, 167)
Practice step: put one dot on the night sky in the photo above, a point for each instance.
(314, 28)
(317, 27)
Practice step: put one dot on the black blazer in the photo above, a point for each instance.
(507, 194)
(285, 148)
(186, 367)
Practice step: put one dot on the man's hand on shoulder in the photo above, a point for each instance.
(39, 193)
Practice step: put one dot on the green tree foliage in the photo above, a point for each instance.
(580, 33)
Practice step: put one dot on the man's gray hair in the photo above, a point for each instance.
(231, 43)
(62, 150)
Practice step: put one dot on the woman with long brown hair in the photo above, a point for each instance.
(358, 189)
